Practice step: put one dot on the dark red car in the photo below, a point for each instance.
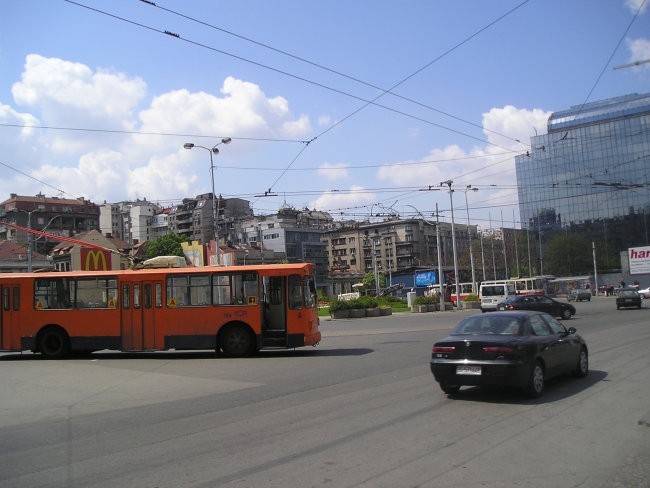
(521, 349)
(540, 303)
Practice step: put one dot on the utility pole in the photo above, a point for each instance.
(442, 295)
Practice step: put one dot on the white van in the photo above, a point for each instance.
(493, 292)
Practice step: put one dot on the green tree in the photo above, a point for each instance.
(369, 281)
(568, 255)
(167, 245)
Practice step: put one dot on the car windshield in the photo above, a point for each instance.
(512, 298)
(485, 324)
(627, 293)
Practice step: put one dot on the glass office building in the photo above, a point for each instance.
(590, 173)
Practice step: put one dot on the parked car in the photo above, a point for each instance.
(607, 290)
(578, 295)
(645, 292)
(628, 297)
(540, 303)
(520, 349)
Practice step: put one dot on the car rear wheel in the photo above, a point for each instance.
(449, 389)
(582, 368)
(535, 386)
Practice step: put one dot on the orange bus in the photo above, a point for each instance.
(235, 310)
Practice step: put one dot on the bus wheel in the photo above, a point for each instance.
(236, 341)
(53, 343)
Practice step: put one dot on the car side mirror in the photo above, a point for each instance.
(572, 330)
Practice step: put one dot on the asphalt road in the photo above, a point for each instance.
(360, 410)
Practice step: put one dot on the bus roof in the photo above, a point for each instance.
(262, 269)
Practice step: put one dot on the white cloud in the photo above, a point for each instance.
(69, 92)
(296, 128)
(516, 124)
(502, 128)
(634, 5)
(166, 177)
(335, 200)
(639, 51)
(96, 175)
(333, 172)
(24, 121)
(429, 170)
(119, 166)
(244, 110)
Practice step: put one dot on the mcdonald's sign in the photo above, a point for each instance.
(94, 259)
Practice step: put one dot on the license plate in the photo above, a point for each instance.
(475, 370)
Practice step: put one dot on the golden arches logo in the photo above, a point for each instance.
(95, 258)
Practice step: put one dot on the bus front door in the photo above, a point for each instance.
(274, 328)
(9, 326)
(139, 303)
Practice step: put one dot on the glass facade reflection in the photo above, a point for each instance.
(590, 173)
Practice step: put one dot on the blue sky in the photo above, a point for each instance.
(96, 101)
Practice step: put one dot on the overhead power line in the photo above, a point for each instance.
(316, 83)
(350, 77)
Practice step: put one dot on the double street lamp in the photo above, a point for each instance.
(448, 183)
(212, 150)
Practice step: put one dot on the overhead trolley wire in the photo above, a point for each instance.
(349, 77)
(315, 83)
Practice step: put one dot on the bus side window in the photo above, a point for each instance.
(16, 298)
(178, 291)
(96, 293)
(5, 299)
(147, 295)
(295, 292)
(158, 295)
(54, 293)
(136, 296)
(221, 289)
(126, 297)
(309, 292)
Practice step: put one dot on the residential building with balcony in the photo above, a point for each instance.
(129, 221)
(60, 216)
(291, 234)
(397, 247)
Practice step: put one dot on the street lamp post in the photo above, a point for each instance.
(374, 260)
(482, 253)
(469, 232)
(442, 296)
(453, 240)
(212, 150)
